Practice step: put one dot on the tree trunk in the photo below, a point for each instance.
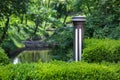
(21, 17)
(5, 30)
(26, 19)
(48, 3)
(36, 27)
(64, 22)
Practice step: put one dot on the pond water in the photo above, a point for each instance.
(33, 56)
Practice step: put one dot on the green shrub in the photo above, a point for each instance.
(3, 57)
(58, 70)
(97, 50)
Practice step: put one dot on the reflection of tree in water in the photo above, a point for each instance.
(34, 56)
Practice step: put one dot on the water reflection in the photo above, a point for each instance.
(16, 60)
(33, 56)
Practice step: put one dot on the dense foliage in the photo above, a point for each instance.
(102, 17)
(58, 70)
(63, 37)
(27, 19)
(97, 50)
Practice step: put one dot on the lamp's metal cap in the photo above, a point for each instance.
(78, 18)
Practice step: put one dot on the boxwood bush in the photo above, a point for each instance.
(58, 70)
(97, 50)
(3, 57)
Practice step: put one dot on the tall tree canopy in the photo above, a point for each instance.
(102, 17)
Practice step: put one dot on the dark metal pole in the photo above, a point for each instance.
(78, 22)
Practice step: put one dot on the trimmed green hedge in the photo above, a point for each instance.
(97, 50)
(3, 57)
(58, 70)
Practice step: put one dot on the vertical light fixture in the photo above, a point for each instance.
(78, 22)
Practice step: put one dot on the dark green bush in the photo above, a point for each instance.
(97, 50)
(64, 38)
(58, 70)
(3, 57)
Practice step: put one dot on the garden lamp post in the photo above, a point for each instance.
(78, 22)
